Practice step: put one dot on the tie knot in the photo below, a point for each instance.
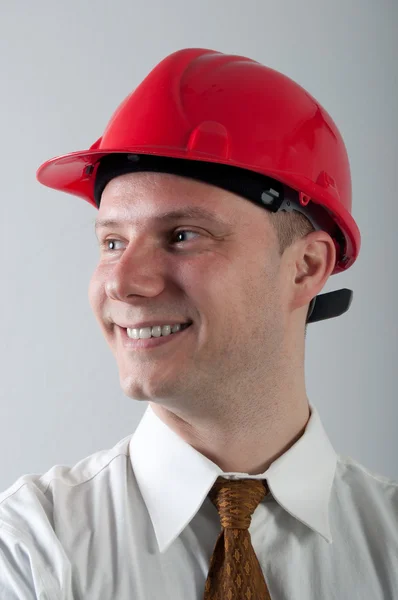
(236, 500)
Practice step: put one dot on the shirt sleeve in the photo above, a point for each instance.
(23, 574)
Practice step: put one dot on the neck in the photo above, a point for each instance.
(242, 437)
(244, 425)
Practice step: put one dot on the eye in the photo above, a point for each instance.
(105, 243)
(182, 232)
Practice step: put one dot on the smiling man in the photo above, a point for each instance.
(179, 252)
(224, 205)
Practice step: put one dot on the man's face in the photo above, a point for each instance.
(222, 275)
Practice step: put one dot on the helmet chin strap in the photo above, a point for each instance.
(327, 306)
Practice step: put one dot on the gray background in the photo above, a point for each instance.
(65, 66)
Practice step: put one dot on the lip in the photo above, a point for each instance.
(152, 342)
(143, 324)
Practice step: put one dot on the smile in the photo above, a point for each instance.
(152, 342)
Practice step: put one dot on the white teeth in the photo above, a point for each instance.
(156, 331)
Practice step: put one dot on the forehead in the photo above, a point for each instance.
(154, 196)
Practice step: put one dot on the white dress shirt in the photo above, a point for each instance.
(135, 523)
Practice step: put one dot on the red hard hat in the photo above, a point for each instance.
(203, 105)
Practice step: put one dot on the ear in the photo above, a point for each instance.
(314, 261)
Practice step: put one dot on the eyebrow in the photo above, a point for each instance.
(187, 212)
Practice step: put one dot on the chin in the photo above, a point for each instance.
(149, 387)
(140, 387)
(132, 389)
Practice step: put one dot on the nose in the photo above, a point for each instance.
(138, 272)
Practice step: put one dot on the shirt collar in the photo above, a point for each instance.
(300, 480)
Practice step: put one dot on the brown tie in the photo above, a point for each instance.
(234, 572)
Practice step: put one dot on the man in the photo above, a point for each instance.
(224, 205)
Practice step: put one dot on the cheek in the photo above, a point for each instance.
(213, 284)
(96, 292)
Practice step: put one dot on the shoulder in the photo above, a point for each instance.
(351, 468)
(39, 511)
(36, 497)
(368, 490)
